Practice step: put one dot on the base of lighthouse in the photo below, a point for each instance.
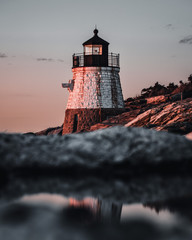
(77, 120)
(94, 95)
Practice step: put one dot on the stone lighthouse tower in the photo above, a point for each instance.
(95, 91)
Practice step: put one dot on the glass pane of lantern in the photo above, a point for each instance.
(97, 50)
(88, 50)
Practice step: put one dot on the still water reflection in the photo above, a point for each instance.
(102, 210)
(53, 216)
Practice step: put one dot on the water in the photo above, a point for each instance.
(103, 211)
(52, 215)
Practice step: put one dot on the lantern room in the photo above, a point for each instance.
(95, 54)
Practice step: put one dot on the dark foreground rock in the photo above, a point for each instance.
(116, 150)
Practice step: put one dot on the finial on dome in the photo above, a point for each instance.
(96, 30)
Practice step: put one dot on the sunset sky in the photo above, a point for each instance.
(38, 38)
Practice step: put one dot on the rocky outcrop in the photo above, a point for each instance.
(175, 117)
(172, 117)
(121, 119)
(157, 99)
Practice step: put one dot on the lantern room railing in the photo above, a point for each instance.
(79, 61)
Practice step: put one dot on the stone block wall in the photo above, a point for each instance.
(96, 95)
(96, 87)
(85, 118)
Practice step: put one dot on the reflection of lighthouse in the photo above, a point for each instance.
(104, 211)
(95, 90)
(110, 211)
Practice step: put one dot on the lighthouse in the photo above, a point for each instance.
(95, 92)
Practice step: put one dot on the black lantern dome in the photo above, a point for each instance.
(96, 40)
(95, 53)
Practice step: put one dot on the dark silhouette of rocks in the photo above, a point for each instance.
(50, 131)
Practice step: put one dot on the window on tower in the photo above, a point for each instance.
(93, 50)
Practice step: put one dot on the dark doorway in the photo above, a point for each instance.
(75, 123)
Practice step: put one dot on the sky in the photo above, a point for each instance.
(39, 37)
